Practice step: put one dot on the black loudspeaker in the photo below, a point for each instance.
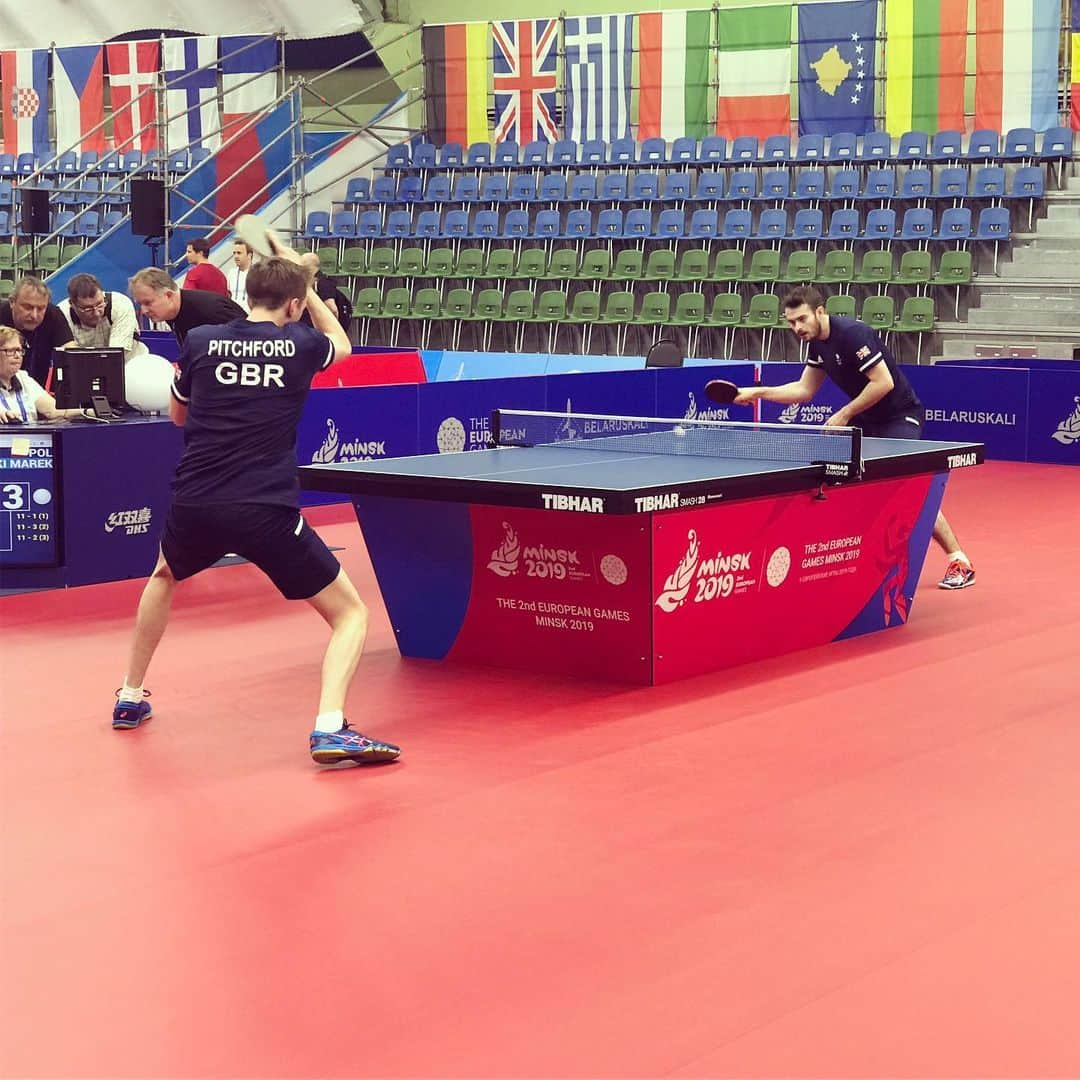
(35, 210)
(148, 207)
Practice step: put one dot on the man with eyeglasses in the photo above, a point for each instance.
(99, 319)
(41, 323)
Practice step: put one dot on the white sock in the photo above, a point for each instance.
(959, 556)
(130, 693)
(330, 721)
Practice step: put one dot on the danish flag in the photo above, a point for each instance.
(524, 58)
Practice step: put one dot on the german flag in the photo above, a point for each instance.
(456, 60)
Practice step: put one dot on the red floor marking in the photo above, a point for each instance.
(859, 860)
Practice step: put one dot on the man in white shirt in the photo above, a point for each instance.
(99, 319)
(237, 276)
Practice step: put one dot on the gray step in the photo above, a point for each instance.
(1045, 318)
(1060, 210)
(1033, 303)
(965, 346)
(1055, 255)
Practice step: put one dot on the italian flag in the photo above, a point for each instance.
(925, 55)
(1016, 63)
(755, 72)
(673, 50)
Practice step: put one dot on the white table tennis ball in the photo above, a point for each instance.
(147, 379)
(678, 431)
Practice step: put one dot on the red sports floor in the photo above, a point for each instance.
(857, 861)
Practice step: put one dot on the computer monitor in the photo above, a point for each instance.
(79, 375)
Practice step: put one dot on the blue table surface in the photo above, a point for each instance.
(545, 466)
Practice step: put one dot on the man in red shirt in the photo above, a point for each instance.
(203, 274)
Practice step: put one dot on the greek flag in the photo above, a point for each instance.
(598, 61)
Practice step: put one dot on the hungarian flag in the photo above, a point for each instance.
(456, 82)
(133, 68)
(673, 57)
(755, 72)
(1016, 63)
(1076, 65)
(79, 98)
(925, 55)
(24, 74)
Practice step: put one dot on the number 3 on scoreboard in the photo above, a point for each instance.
(13, 497)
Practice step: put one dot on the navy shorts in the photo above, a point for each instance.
(907, 426)
(276, 539)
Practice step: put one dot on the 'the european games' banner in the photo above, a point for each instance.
(456, 416)
(837, 44)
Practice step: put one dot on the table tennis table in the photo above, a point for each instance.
(644, 550)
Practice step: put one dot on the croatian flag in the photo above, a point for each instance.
(79, 98)
(191, 79)
(24, 74)
(133, 68)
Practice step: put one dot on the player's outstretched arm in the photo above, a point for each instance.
(792, 393)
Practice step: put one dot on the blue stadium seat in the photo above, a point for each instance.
(808, 226)
(738, 225)
(318, 225)
(398, 225)
(653, 152)
(676, 187)
(111, 219)
(546, 224)
(776, 151)
(131, 161)
(398, 158)
(451, 156)
(947, 146)
(775, 186)
(582, 188)
(494, 189)
(66, 164)
(917, 224)
(988, 182)
(637, 225)
(951, 183)
(466, 189)
(197, 155)
(742, 185)
(357, 192)
(955, 225)
(916, 184)
(410, 190)
(523, 188)
(993, 224)
(423, 156)
(1057, 142)
(984, 145)
(609, 224)
(515, 225)
(478, 155)
(343, 223)
(593, 153)
(913, 146)
(564, 153)
(671, 225)
(713, 150)
(5, 223)
(535, 155)
(622, 152)
(1027, 183)
(6, 193)
(710, 186)
(843, 147)
(368, 225)
(506, 155)
(645, 187)
(704, 225)
(88, 224)
(613, 187)
(772, 225)
(578, 225)
(876, 146)
(810, 185)
(684, 151)
(456, 224)
(438, 189)
(428, 225)
(1019, 145)
(843, 225)
(88, 160)
(384, 189)
(880, 185)
(485, 225)
(552, 187)
(64, 223)
(880, 224)
(845, 184)
(810, 150)
(744, 150)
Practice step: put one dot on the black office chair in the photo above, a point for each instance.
(664, 353)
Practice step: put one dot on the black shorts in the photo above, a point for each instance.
(276, 539)
(906, 426)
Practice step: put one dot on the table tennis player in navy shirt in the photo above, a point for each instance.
(239, 396)
(883, 403)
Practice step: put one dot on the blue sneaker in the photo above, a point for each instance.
(130, 714)
(331, 747)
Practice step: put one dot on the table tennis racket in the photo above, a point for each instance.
(255, 234)
(721, 391)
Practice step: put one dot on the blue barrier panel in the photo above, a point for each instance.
(680, 392)
(1054, 417)
(161, 343)
(610, 393)
(558, 364)
(356, 424)
(431, 359)
(829, 398)
(1033, 363)
(975, 405)
(455, 366)
(457, 416)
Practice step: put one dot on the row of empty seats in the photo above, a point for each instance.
(90, 161)
(954, 224)
(67, 223)
(36, 259)
(985, 145)
(711, 186)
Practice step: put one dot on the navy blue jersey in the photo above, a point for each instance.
(244, 384)
(852, 349)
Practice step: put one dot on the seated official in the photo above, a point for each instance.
(161, 299)
(99, 319)
(22, 398)
(41, 324)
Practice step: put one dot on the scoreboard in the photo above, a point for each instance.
(29, 507)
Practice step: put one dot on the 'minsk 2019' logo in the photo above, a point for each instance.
(717, 577)
(334, 448)
(1068, 431)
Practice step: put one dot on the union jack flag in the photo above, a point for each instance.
(524, 57)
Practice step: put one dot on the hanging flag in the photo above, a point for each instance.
(1016, 63)
(79, 98)
(925, 57)
(191, 80)
(456, 82)
(524, 55)
(673, 58)
(249, 87)
(133, 69)
(837, 43)
(24, 74)
(598, 60)
(755, 72)
(1076, 65)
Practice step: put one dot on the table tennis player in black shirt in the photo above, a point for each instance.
(239, 396)
(883, 403)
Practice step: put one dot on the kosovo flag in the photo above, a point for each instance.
(837, 59)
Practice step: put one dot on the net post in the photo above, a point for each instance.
(495, 418)
(856, 451)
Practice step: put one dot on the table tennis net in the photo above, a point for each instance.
(789, 443)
